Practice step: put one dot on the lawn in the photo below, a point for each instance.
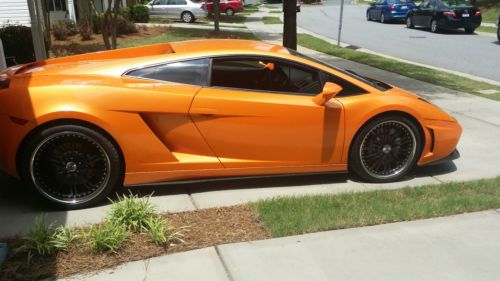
(271, 20)
(489, 29)
(296, 215)
(238, 18)
(490, 14)
(421, 73)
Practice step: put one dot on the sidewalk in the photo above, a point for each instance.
(463, 247)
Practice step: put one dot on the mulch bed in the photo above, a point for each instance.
(205, 228)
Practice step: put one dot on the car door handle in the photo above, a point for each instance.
(203, 111)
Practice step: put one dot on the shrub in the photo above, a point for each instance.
(107, 237)
(39, 241)
(96, 24)
(85, 30)
(160, 231)
(138, 13)
(125, 26)
(60, 30)
(132, 212)
(63, 238)
(17, 44)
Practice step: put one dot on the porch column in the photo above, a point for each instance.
(70, 4)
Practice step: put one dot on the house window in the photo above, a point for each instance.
(57, 5)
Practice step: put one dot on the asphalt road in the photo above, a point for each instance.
(474, 54)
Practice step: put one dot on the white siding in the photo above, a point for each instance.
(14, 12)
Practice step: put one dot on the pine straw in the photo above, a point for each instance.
(205, 228)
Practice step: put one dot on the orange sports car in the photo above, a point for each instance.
(74, 128)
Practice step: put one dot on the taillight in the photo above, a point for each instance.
(392, 8)
(4, 81)
(451, 14)
(478, 13)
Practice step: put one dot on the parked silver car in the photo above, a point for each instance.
(185, 10)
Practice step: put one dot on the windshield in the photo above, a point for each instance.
(457, 3)
(400, 1)
(372, 82)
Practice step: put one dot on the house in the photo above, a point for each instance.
(17, 12)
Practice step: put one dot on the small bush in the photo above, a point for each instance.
(138, 13)
(39, 241)
(17, 44)
(161, 232)
(85, 30)
(107, 237)
(60, 30)
(125, 26)
(132, 212)
(63, 238)
(96, 23)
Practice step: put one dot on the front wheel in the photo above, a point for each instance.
(229, 12)
(498, 33)
(382, 17)
(368, 17)
(187, 17)
(409, 22)
(385, 149)
(71, 166)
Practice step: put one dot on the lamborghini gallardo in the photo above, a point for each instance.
(75, 128)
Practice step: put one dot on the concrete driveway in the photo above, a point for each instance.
(479, 146)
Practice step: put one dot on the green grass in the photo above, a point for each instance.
(489, 29)
(421, 73)
(271, 20)
(275, 12)
(238, 18)
(182, 34)
(107, 237)
(132, 212)
(296, 215)
(490, 14)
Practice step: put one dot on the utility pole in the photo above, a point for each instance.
(37, 32)
(3, 63)
(290, 24)
(340, 22)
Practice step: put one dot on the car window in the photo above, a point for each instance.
(265, 75)
(348, 88)
(193, 72)
(456, 3)
(176, 2)
(160, 2)
(425, 4)
(400, 1)
(433, 4)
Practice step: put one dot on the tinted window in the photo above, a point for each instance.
(457, 3)
(265, 75)
(400, 1)
(176, 2)
(348, 89)
(193, 72)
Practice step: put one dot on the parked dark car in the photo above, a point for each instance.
(498, 28)
(445, 14)
(386, 10)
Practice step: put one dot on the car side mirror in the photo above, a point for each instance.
(330, 90)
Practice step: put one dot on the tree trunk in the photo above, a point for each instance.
(106, 26)
(116, 13)
(216, 15)
(290, 24)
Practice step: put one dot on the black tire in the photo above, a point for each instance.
(498, 33)
(187, 17)
(229, 12)
(368, 17)
(434, 26)
(382, 17)
(469, 30)
(71, 166)
(385, 160)
(409, 22)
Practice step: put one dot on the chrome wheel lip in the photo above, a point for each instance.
(434, 27)
(399, 171)
(230, 13)
(75, 201)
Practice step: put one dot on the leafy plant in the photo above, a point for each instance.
(85, 30)
(39, 241)
(132, 212)
(161, 232)
(109, 236)
(63, 238)
(138, 13)
(17, 44)
(60, 30)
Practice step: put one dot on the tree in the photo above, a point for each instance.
(216, 15)
(290, 24)
(108, 23)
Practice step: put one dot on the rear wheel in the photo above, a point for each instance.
(187, 17)
(71, 166)
(434, 26)
(385, 149)
(469, 30)
(498, 33)
(409, 22)
(229, 12)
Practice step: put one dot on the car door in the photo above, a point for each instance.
(259, 112)
(159, 8)
(375, 11)
(418, 13)
(175, 7)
